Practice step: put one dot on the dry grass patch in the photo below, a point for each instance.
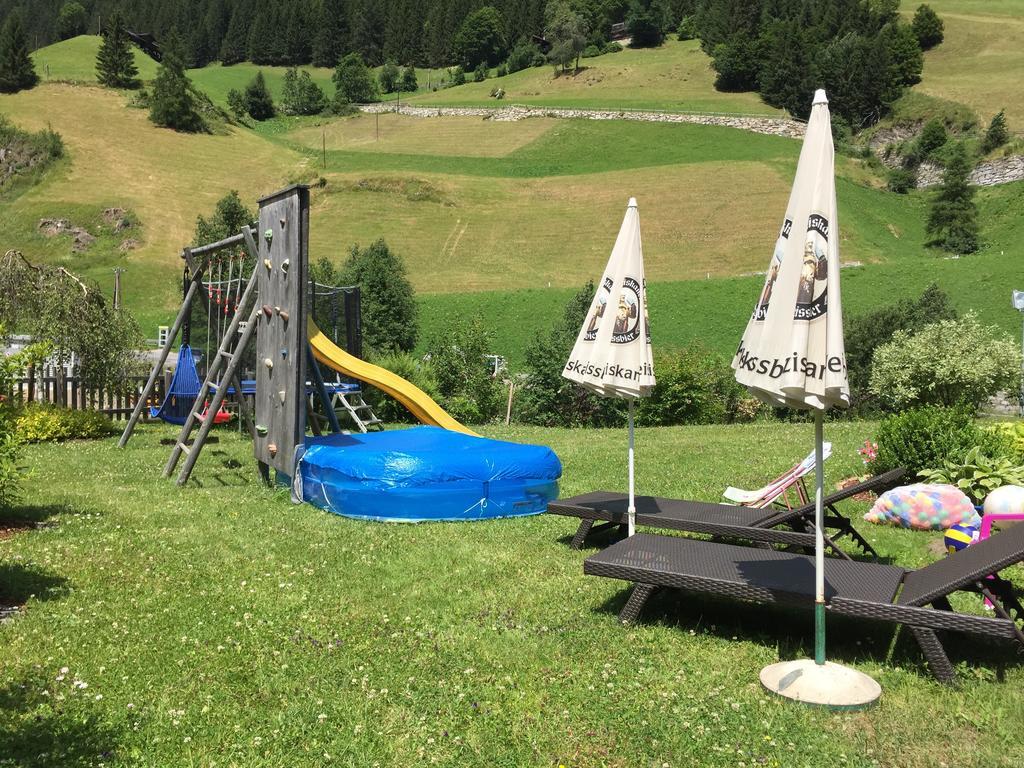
(399, 134)
(559, 230)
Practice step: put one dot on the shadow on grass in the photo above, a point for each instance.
(33, 515)
(35, 733)
(791, 632)
(20, 582)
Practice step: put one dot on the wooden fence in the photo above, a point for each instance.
(115, 404)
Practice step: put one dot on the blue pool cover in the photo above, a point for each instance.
(427, 474)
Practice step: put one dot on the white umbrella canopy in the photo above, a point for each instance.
(612, 355)
(792, 354)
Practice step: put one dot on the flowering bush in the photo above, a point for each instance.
(952, 362)
(869, 452)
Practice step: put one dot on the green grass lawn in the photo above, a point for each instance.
(74, 61)
(220, 625)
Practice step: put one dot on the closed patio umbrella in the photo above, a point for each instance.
(792, 355)
(612, 354)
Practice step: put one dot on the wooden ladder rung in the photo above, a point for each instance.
(184, 448)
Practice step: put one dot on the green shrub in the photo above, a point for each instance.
(522, 56)
(951, 362)
(258, 102)
(1013, 433)
(411, 368)
(687, 29)
(591, 51)
(39, 422)
(459, 76)
(301, 95)
(924, 438)
(976, 474)
(458, 356)
(481, 73)
(933, 136)
(997, 133)
(901, 180)
(612, 47)
(694, 386)
(10, 460)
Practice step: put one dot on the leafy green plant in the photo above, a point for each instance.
(921, 438)
(42, 422)
(458, 355)
(11, 471)
(694, 386)
(948, 363)
(411, 368)
(1013, 433)
(976, 474)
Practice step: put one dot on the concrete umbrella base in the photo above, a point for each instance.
(821, 685)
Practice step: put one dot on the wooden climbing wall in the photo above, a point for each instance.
(281, 336)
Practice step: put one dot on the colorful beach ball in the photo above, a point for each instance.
(960, 536)
(1008, 500)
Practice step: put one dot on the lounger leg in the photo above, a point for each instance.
(637, 600)
(842, 523)
(935, 654)
(581, 533)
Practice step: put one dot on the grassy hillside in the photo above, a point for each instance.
(981, 61)
(677, 76)
(74, 61)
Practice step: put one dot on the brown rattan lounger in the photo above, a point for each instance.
(608, 510)
(858, 589)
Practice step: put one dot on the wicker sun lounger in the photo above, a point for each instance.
(859, 589)
(601, 510)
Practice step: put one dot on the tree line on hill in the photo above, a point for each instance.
(320, 32)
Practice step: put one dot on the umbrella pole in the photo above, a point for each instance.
(819, 540)
(632, 499)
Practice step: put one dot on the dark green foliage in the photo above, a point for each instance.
(567, 31)
(236, 103)
(785, 77)
(353, 81)
(115, 60)
(953, 218)
(997, 133)
(481, 72)
(550, 399)
(417, 371)
(408, 82)
(458, 358)
(865, 333)
(16, 69)
(11, 469)
(173, 105)
(687, 29)
(904, 56)
(389, 310)
(235, 46)
(71, 21)
(388, 77)
(331, 33)
(480, 39)
(301, 95)
(522, 56)
(854, 71)
(368, 30)
(259, 104)
(43, 422)
(736, 63)
(694, 386)
(459, 76)
(229, 216)
(928, 27)
(646, 23)
(901, 179)
(932, 136)
(924, 438)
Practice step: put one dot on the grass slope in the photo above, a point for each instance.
(220, 624)
(981, 61)
(676, 77)
(74, 61)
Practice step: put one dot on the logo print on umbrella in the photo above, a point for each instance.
(773, 271)
(598, 309)
(627, 316)
(812, 295)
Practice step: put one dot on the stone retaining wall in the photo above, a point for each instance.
(767, 125)
(1002, 170)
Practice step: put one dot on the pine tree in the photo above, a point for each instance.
(172, 103)
(368, 32)
(408, 82)
(997, 134)
(16, 69)
(235, 46)
(388, 77)
(331, 34)
(953, 219)
(928, 27)
(115, 61)
(258, 102)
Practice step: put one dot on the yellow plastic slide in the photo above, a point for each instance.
(405, 392)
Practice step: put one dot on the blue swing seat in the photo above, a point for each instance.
(182, 393)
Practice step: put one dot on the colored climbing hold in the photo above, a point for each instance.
(261, 430)
(277, 310)
(272, 449)
(268, 264)
(268, 235)
(284, 265)
(284, 315)
(269, 363)
(284, 352)
(282, 395)
(268, 311)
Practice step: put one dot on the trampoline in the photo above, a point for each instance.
(427, 474)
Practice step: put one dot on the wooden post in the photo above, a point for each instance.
(31, 382)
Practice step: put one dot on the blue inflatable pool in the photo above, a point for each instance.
(427, 474)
